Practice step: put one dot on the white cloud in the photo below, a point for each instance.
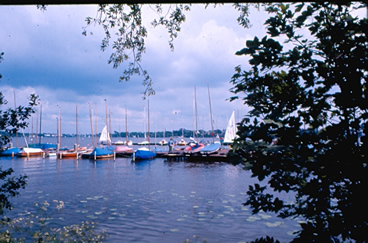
(46, 53)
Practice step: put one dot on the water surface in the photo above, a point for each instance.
(149, 201)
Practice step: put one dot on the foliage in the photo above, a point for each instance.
(35, 227)
(12, 120)
(9, 188)
(126, 33)
(311, 93)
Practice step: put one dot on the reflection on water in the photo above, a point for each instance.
(149, 201)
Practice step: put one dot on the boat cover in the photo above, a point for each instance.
(10, 152)
(144, 154)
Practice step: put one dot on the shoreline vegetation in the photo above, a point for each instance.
(167, 134)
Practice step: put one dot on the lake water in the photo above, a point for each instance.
(149, 201)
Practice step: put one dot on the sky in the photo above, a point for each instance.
(46, 54)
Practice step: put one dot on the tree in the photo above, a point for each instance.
(126, 33)
(311, 93)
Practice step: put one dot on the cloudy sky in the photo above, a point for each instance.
(46, 54)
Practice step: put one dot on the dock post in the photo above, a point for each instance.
(133, 156)
(95, 155)
(114, 155)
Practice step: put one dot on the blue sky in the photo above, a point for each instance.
(46, 54)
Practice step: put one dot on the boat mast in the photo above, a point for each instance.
(57, 131)
(90, 118)
(107, 131)
(32, 135)
(76, 123)
(148, 135)
(95, 114)
(60, 133)
(196, 113)
(16, 131)
(144, 121)
(126, 126)
(209, 100)
(40, 123)
(37, 127)
(110, 134)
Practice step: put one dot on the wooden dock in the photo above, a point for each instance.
(219, 156)
(180, 155)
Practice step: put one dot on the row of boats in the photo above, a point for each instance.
(121, 148)
(108, 151)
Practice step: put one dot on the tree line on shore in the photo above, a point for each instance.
(174, 133)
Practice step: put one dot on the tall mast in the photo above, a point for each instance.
(40, 123)
(144, 121)
(95, 114)
(148, 135)
(195, 112)
(32, 135)
(76, 123)
(110, 134)
(37, 127)
(209, 100)
(16, 131)
(126, 126)
(107, 125)
(90, 118)
(57, 130)
(60, 133)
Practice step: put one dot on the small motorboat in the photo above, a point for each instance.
(27, 152)
(182, 142)
(143, 143)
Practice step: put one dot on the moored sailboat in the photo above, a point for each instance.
(143, 154)
(102, 153)
(105, 136)
(231, 130)
(10, 152)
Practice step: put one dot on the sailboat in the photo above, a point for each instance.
(76, 151)
(106, 152)
(105, 136)
(127, 141)
(144, 153)
(214, 146)
(231, 130)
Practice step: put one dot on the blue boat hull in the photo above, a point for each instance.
(101, 153)
(10, 152)
(143, 155)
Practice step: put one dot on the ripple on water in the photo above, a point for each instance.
(168, 201)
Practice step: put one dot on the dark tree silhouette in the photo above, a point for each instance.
(307, 88)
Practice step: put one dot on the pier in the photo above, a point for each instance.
(219, 156)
